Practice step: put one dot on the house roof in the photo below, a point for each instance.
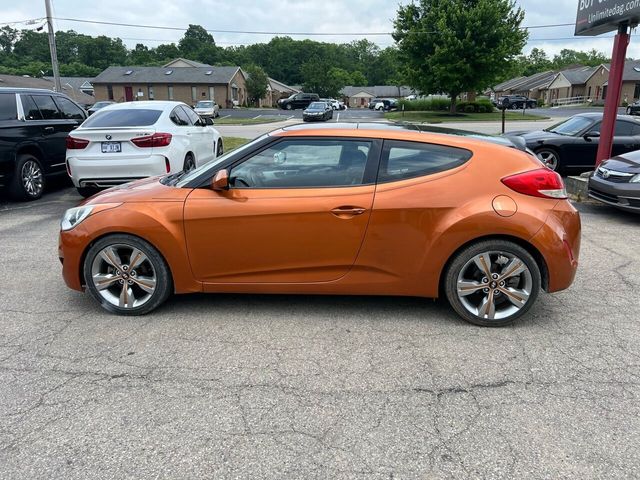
(75, 82)
(578, 76)
(191, 63)
(378, 91)
(192, 75)
(506, 85)
(33, 82)
(281, 87)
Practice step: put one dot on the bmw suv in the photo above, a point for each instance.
(34, 124)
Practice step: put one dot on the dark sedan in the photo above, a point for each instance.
(318, 111)
(617, 182)
(573, 143)
(633, 108)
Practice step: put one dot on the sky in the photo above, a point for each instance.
(335, 17)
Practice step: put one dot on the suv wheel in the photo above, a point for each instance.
(492, 283)
(28, 179)
(288, 106)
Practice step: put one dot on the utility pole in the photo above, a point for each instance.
(52, 47)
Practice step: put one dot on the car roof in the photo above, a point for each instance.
(158, 104)
(372, 129)
(29, 90)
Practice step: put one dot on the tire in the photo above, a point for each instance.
(28, 181)
(189, 163)
(87, 192)
(151, 270)
(513, 106)
(288, 106)
(550, 157)
(219, 148)
(515, 294)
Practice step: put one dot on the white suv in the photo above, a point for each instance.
(128, 141)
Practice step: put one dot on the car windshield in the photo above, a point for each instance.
(211, 166)
(123, 117)
(101, 104)
(204, 104)
(317, 106)
(570, 127)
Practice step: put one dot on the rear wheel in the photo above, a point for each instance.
(219, 148)
(288, 106)
(127, 275)
(189, 163)
(549, 157)
(492, 283)
(28, 178)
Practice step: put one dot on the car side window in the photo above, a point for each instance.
(69, 109)
(636, 129)
(31, 111)
(304, 164)
(179, 117)
(194, 118)
(47, 107)
(402, 160)
(8, 108)
(623, 129)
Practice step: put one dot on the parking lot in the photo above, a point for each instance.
(350, 114)
(248, 386)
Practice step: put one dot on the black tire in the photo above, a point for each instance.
(288, 106)
(463, 257)
(87, 192)
(189, 162)
(164, 281)
(26, 185)
(219, 148)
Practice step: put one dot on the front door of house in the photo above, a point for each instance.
(128, 94)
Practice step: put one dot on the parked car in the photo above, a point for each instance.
(513, 102)
(298, 100)
(573, 143)
(334, 104)
(133, 140)
(616, 182)
(342, 105)
(386, 104)
(633, 109)
(98, 105)
(373, 102)
(207, 108)
(337, 210)
(34, 124)
(317, 111)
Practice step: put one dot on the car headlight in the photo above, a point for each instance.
(635, 179)
(74, 216)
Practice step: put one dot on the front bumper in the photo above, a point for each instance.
(313, 117)
(109, 172)
(625, 196)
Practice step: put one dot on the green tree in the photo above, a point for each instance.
(198, 44)
(453, 46)
(257, 82)
(358, 79)
(8, 36)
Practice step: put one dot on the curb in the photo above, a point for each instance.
(578, 188)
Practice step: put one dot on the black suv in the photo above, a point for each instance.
(515, 101)
(298, 100)
(34, 125)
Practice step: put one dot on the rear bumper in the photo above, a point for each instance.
(625, 196)
(559, 242)
(109, 172)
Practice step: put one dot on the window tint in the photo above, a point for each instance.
(47, 106)
(133, 117)
(401, 160)
(31, 111)
(304, 164)
(8, 109)
(636, 129)
(194, 118)
(69, 109)
(623, 128)
(179, 117)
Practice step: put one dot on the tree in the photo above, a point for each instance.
(198, 44)
(256, 83)
(358, 79)
(454, 46)
(8, 36)
(321, 78)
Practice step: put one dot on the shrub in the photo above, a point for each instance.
(481, 105)
(470, 108)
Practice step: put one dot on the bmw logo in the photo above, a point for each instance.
(108, 137)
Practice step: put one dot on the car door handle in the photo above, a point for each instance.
(348, 211)
(48, 129)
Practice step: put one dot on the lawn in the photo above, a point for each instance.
(231, 143)
(246, 121)
(440, 117)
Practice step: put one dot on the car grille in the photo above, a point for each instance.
(613, 176)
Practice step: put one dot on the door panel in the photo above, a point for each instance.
(275, 235)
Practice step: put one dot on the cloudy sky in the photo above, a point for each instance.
(335, 17)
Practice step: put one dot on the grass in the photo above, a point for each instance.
(231, 143)
(440, 117)
(245, 121)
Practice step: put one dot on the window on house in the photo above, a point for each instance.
(170, 92)
(234, 93)
(212, 94)
(194, 93)
(150, 88)
(589, 92)
(110, 92)
(604, 92)
(636, 91)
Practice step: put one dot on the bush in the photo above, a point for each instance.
(482, 105)
(470, 108)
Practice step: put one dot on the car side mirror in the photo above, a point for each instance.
(593, 134)
(221, 180)
(208, 121)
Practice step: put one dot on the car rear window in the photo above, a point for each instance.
(8, 106)
(130, 117)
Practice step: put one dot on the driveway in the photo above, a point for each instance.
(250, 386)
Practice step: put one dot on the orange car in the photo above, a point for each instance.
(351, 209)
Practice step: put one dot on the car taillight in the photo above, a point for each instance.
(76, 143)
(155, 140)
(544, 183)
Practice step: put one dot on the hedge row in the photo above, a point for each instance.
(442, 105)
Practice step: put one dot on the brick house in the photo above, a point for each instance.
(177, 80)
(359, 97)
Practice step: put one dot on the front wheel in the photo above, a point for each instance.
(127, 275)
(28, 178)
(288, 106)
(492, 283)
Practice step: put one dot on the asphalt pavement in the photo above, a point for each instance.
(254, 386)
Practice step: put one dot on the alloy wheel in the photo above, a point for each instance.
(32, 178)
(123, 276)
(549, 158)
(494, 285)
(189, 163)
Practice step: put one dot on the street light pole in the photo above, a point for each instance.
(52, 47)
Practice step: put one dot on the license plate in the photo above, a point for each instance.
(111, 147)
